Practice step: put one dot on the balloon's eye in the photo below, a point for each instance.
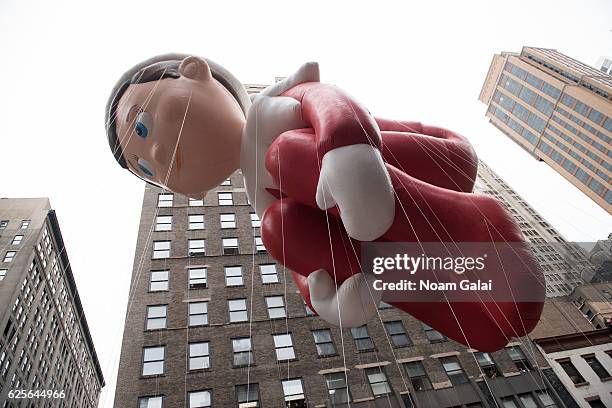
(143, 124)
(145, 167)
(141, 130)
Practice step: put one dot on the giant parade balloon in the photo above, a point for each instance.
(329, 181)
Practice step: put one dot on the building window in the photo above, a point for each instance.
(487, 365)
(276, 307)
(198, 313)
(156, 317)
(163, 223)
(337, 388)
(230, 246)
(237, 310)
(197, 247)
(199, 356)
(159, 281)
(197, 278)
(196, 222)
(243, 352)
(596, 403)
(259, 246)
(255, 221)
(378, 381)
(225, 198)
(596, 116)
(3, 224)
(520, 360)
(398, 333)
(293, 390)
(3, 274)
(248, 396)
(200, 399)
(454, 370)
(226, 182)
(433, 335)
(233, 276)
(283, 344)
(509, 402)
(153, 360)
(528, 401)
(25, 224)
(363, 341)
(17, 240)
(571, 371)
(165, 200)
(546, 399)
(196, 203)
(594, 363)
(418, 375)
(268, 273)
(150, 402)
(161, 249)
(324, 343)
(8, 257)
(228, 220)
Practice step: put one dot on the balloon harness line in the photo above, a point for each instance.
(487, 224)
(136, 278)
(66, 266)
(422, 248)
(460, 171)
(544, 380)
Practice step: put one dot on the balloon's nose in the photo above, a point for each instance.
(159, 153)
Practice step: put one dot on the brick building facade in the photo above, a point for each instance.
(196, 300)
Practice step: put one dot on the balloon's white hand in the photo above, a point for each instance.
(355, 179)
(352, 305)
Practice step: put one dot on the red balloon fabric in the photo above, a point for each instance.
(433, 171)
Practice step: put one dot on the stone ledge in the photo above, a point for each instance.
(371, 365)
(410, 359)
(447, 354)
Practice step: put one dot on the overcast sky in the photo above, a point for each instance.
(422, 61)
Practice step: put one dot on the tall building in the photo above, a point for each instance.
(557, 109)
(45, 344)
(214, 321)
(562, 262)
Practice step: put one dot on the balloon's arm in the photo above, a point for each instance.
(337, 118)
(353, 175)
(269, 116)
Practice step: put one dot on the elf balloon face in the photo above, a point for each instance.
(183, 132)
